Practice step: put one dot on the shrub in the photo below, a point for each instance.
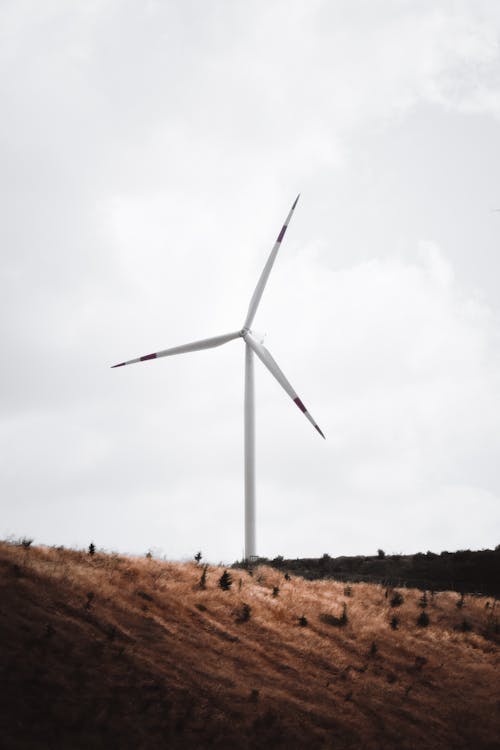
(460, 602)
(91, 548)
(423, 619)
(90, 599)
(275, 591)
(397, 599)
(336, 622)
(303, 621)
(225, 581)
(395, 622)
(245, 613)
(380, 554)
(347, 590)
(25, 542)
(203, 578)
(287, 577)
(423, 600)
(373, 649)
(465, 626)
(144, 595)
(198, 557)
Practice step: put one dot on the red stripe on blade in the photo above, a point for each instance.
(148, 356)
(300, 404)
(282, 233)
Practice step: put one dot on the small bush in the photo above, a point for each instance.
(245, 613)
(287, 577)
(336, 622)
(423, 619)
(25, 542)
(276, 591)
(373, 650)
(90, 599)
(203, 578)
(423, 600)
(397, 599)
(198, 557)
(145, 595)
(225, 581)
(380, 554)
(395, 622)
(303, 621)
(460, 602)
(347, 590)
(91, 548)
(465, 626)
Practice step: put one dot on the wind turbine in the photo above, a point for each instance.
(252, 346)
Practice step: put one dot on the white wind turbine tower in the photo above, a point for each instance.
(252, 346)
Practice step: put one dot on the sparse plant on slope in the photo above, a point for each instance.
(337, 622)
(90, 599)
(203, 578)
(25, 542)
(303, 621)
(423, 600)
(225, 581)
(245, 613)
(394, 622)
(460, 602)
(423, 619)
(198, 557)
(276, 591)
(91, 548)
(397, 599)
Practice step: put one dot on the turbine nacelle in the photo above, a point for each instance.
(257, 336)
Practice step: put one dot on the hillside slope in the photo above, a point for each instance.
(106, 651)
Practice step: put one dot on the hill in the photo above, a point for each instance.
(107, 651)
(468, 571)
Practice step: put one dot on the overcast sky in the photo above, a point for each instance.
(150, 152)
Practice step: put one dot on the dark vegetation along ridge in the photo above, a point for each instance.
(465, 571)
(107, 651)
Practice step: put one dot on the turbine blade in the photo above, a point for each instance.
(254, 302)
(266, 358)
(193, 347)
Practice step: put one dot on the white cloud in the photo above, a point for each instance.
(147, 153)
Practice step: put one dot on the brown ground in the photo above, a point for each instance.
(107, 651)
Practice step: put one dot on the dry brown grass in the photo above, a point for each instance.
(114, 651)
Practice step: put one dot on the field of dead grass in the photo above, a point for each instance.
(126, 652)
